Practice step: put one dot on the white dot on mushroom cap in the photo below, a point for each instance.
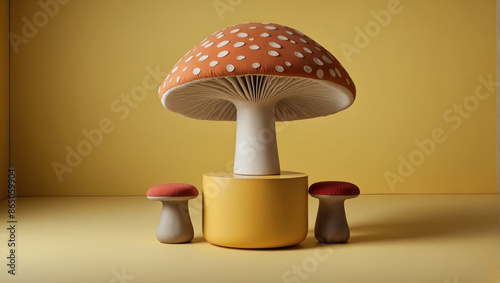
(317, 61)
(202, 58)
(170, 80)
(242, 34)
(175, 69)
(317, 48)
(252, 27)
(235, 30)
(230, 68)
(266, 23)
(307, 69)
(251, 39)
(203, 44)
(270, 27)
(185, 68)
(254, 47)
(332, 72)
(273, 53)
(320, 73)
(279, 68)
(178, 78)
(164, 84)
(210, 44)
(241, 57)
(196, 71)
(198, 55)
(219, 33)
(274, 44)
(348, 82)
(307, 50)
(338, 72)
(288, 63)
(255, 65)
(298, 54)
(223, 43)
(220, 36)
(265, 34)
(222, 53)
(282, 37)
(293, 41)
(303, 40)
(289, 32)
(189, 59)
(239, 44)
(213, 63)
(326, 59)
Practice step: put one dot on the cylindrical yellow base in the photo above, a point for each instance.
(254, 212)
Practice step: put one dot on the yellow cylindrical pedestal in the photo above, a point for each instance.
(254, 212)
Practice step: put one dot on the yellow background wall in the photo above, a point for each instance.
(4, 95)
(423, 120)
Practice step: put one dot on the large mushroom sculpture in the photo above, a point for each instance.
(256, 74)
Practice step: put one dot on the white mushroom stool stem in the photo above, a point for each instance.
(256, 151)
(175, 224)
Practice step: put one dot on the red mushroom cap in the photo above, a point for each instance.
(260, 61)
(334, 188)
(172, 190)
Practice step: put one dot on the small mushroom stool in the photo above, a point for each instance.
(331, 223)
(175, 224)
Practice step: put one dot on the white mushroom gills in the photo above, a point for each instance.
(256, 151)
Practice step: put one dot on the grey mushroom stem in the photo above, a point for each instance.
(331, 222)
(256, 151)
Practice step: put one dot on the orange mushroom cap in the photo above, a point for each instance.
(172, 190)
(317, 83)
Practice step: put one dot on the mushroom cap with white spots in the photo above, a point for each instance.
(260, 63)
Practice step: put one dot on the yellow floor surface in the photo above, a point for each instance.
(395, 238)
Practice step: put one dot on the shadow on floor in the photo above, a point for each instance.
(427, 222)
(411, 223)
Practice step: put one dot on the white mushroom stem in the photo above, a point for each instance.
(256, 151)
(331, 222)
(175, 224)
